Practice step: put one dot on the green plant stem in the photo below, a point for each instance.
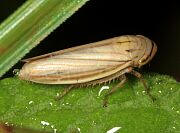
(30, 24)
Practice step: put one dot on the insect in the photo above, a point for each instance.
(92, 63)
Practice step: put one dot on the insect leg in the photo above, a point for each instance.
(138, 75)
(99, 81)
(66, 91)
(119, 85)
(119, 74)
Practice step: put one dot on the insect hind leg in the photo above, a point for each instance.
(119, 85)
(66, 91)
(98, 81)
(120, 75)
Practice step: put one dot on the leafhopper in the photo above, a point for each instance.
(92, 63)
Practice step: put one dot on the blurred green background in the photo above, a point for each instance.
(98, 20)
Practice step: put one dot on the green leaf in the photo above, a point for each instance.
(32, 105)
(30, 24)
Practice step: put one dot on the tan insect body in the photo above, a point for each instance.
(90, 62)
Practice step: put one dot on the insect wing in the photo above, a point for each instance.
(83, 63)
